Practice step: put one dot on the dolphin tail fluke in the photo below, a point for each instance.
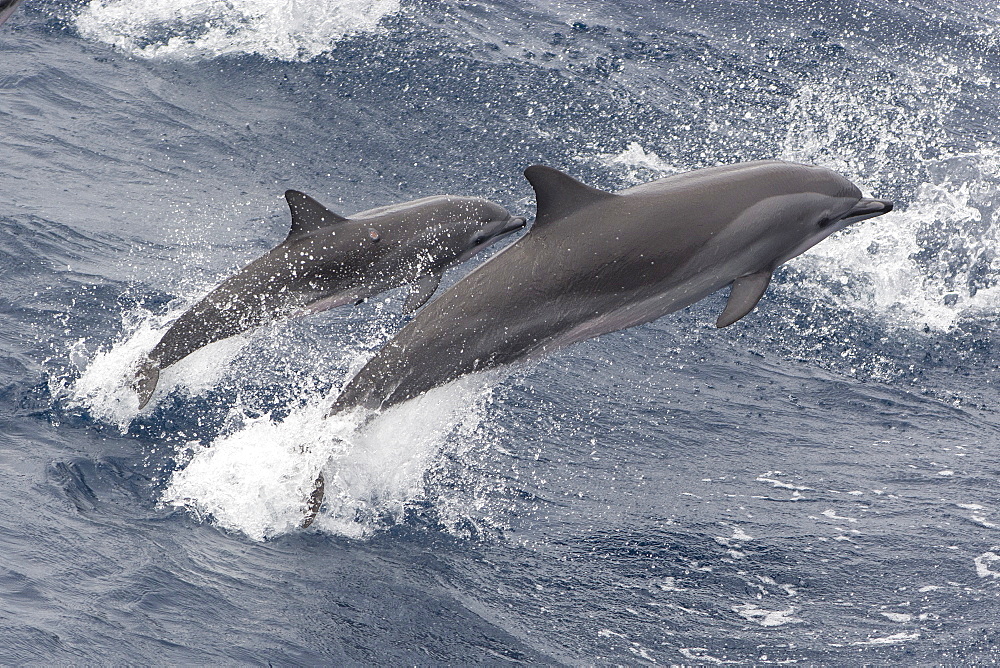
(145, 382)
(314, 501)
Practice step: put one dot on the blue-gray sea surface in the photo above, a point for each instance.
(815, 484)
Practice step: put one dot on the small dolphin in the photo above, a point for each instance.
(7, 8)
(595, 262)
(328, 260)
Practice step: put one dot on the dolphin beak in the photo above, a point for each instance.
(514, 224)
(866, 208)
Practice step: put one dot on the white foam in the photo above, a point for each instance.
(883, 267)
(830, 513)
(919, 266)
(740, 534)
(699, 654)
(983, 563)
(279, 29)
(256, 480)
(894, 639)
(102, 386)
(780, 484)
(763, 617)
(900, 617)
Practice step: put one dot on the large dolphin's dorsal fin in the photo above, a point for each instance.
(308, 215)
(558, 194)
(743, 296)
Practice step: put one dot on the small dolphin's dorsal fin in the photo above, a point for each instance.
(308, 215)
(743, 296)
(558, 194)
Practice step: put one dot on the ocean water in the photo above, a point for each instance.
(816, 484)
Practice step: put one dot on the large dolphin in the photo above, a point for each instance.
(7, 8)
(595, 262)
(328, 260)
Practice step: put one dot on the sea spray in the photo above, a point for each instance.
(932, 263)
(930, 266)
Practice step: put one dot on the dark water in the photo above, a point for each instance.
(816, 484)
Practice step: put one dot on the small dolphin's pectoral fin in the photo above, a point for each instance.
(421, 292)
(558, 194)
(308, 215)
(145, 382)
(743, 296)
(328, 302)
(314, 501)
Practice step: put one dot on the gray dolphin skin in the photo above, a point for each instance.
(7, 8)
(328, 260)
(595, 262)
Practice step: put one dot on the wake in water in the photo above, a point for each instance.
(280, 29)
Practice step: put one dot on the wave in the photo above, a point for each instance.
(291, 30)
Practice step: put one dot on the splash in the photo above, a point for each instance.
(291, 30)
(638, 163)
(102, 384)
(931, 263)
(256, 479)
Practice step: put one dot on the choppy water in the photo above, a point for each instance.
(816, 484)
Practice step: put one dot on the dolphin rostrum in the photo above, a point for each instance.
(595, 262)
(7, 8)
(328, 260)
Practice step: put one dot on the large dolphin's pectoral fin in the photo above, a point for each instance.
(558, 194)
(145, 382)
(421, 292)
(308, 215)
(743, 296)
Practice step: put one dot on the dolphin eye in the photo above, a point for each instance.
(478, 240)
